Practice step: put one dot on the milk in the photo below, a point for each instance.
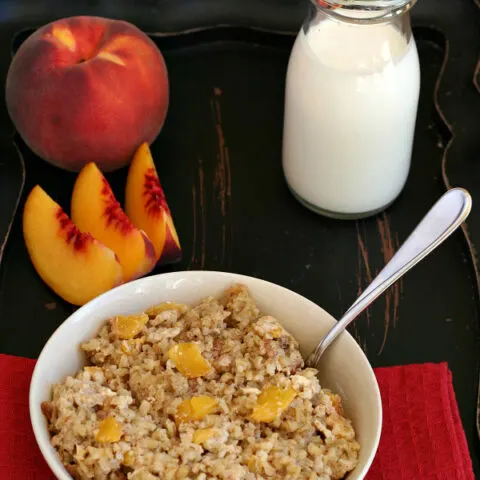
(350, 110)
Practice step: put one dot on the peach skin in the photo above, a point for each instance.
(87, 89)
(96, 210)
(73, 264)
(146, 206)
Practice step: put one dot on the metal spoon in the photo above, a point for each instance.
(439, 223)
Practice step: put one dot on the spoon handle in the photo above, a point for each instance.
(439, 223)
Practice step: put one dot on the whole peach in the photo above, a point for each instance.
(87, 89)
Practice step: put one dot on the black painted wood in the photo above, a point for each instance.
(226, 116)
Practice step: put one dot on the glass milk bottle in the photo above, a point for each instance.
(351, 102)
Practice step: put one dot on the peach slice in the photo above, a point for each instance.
(110, 431)
(73, 264)
(128, 459)
(203, 434)
(127, 327)
(271, 403)
(166, 306)
(188, 360)
(195, 408)
(96, 210)
(146, 206)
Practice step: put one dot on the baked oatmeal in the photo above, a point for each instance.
(218, 390)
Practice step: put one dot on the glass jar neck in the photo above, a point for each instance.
(364, 11)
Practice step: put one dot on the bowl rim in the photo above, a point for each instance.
(38, 422)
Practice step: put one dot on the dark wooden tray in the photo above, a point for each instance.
(219, 158)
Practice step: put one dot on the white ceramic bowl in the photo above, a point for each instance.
(344, 367)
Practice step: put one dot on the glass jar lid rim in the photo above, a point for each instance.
(372, 9)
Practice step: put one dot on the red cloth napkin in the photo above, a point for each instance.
(422, 436)
(20, 457)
